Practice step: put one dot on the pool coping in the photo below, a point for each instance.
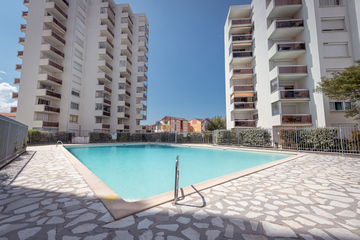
(120, 208)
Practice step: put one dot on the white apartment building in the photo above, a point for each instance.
(84, 66)
(276, 52)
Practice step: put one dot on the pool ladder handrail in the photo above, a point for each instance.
(59, 142)
(176, 190)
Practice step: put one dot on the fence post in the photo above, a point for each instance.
(341, 139)
(175, 137)
(296, 140)
(263, 138)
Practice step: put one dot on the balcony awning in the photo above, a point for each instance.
(242, 94)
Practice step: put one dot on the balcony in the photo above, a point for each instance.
(13, 109)
(143, 46)
(127, 105)
(103, 88)
(296, 119)
(45, 124)
(144, 56)
(244, 88)
(104, 77)
(126, 26)
(106, 31)
(106, 19)
(54, 38)
(240, 26)
(47, 109)
(50, 65)
(245, 123)
(295, 95)
(293, 72)
(17, 81)
(125, 39)
(123, 115)
(242, 106)
(105, 54)
(15, 95)
(283, 8)
(55, 25)
(241, 57)
(26, 3)
(106, 126)
(105, 66)
(102, 113)
(105, 42)
(47, 79)
(23, 28)
(25, 14)
(52, 51)
(287, 50)
(125, 50)
(20, 54)
(241, 73)
(241, 40)
(285, 28)
(22, 40)
(141, 95)
(142, 85)
(18, 67)
(55, 10)
(49, 94)
(61, 3)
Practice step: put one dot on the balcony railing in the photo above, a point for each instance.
(26, 2)
(56, 36)
(287, 2)
(128, 93)
(245, 123)
(108, 77)
(246, 37)
(52, 109)
(128, 82)
(57, 22)
(23, 27)
(56, 65)
(243, 88)
(108, 65)
(127, 104)
(105, 113)
(296, 119)
(294, 94)
(241, 54)
(54, 79)
(126, 127)
(241, 21)
(109, 54)
(25, 14)
(290, 46)
(292, 69)
(15, 95)
(107, 89)
(61, 11)
(21, 40)
(111, 32)
(107, 101)
(16, 80)
(128, 71)
(109, 42)
(106, 125)
(13, 109)
(57, 51)
(112, 21)
(127, 115)
(129, 61)
(52, 93)
(50, 124)
(243, 71)
(244, 105)
(289, 23)
(18, 67)
(20, 53)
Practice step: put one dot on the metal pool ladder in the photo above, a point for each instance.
(59, 142)
(176, 190)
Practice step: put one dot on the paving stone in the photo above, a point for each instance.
(212, 234)
(170, 227)
(87, 227)
(201, 225)
(82, 218)
(229, 231)
(199, 215)
(27, 233)
(183, 220)
(55, 220)
(145, 224)
(254, 225)
(341, 233)
(148, 235)
(254, 237)
(217, 221)
(191, 234)
(124, 235)
(7, 228)
(346, 213)
(27, 209)
(238, 222)
(320, 233)
(317, 219)
(292, 224)
(353, 222)
(275, 230)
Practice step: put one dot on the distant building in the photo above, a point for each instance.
(175, 124)
(9, 115)
(198, 125)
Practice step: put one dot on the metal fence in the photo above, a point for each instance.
(12, 139)
(36, 137)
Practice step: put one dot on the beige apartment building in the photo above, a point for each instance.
(276, 52)
(84, 66)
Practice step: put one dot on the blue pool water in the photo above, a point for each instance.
(137, 172)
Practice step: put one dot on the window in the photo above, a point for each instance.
(98, 106)
(332, 24)
(137, 122)
(336, 49)
(121, 85)
(82, 5)
(75, 93)
(99, 94)
(121, 109)
(43, 102)
(76, 79)
(141, 69)
(274, 85)
(78, 53)
(80, 29)
(81, 17)
(122, 63)
(74, 106)
(79, 41)
(102, 44)
(98, 120)
(120, 121)
(74, 118)
(339, 106)
(331, 2)
(275, 107)
(121, 97)
(77, 66)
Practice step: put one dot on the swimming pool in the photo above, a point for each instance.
(138, 172)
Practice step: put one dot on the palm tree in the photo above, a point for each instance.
(216, 123)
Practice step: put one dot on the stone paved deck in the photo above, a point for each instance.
(313, 197)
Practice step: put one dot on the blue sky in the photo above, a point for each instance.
(186, 55)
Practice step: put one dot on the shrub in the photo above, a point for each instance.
(254, 137)
(96, 137)
(36, 136)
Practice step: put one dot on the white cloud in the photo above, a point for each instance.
(6, 102)
(3, 72)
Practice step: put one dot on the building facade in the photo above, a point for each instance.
(84, 66)
(174, 125)
(275, 55)
(198, 125)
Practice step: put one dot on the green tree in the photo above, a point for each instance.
(344, 85)
(216, 123)
(165, 127)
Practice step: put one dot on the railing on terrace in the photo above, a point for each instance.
(244, 21)
(109, 42)
(243, 88)
(245, 123)
(296, 119)
(61, 11)
(245, 37)
(239, 54)
(52, 109)
(249, 105)
(292, 69)
(54, 79)
(287, 2)
(294, 94)
(290, 46)
(243, 71)
(289, 23)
